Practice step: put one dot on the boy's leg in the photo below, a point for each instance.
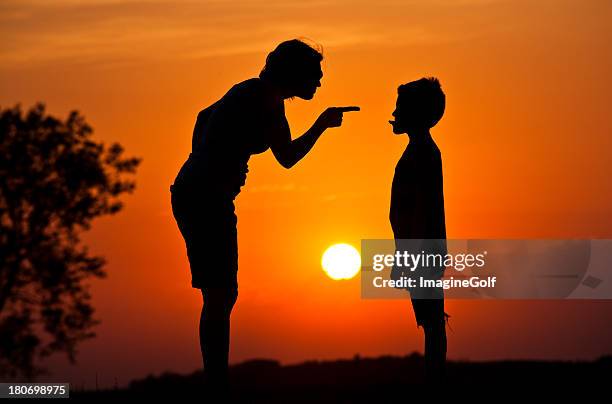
(430, 315)
(435, 343)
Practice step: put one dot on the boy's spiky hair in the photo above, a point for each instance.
(431, 98)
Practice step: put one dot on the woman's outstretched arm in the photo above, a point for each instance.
(288, 152)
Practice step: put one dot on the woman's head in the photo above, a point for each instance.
(295, 67)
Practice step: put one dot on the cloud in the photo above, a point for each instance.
(40, 31)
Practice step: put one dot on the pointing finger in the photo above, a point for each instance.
(348, 109)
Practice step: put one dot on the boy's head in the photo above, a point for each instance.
(420, 105)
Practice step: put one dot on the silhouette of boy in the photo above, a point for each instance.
(417, 209)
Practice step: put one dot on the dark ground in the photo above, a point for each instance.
(368, 380)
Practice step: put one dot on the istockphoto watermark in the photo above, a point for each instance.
(473, 269)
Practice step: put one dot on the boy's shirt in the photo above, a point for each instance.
(417, 197)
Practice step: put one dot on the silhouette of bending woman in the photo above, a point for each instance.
(249, 119)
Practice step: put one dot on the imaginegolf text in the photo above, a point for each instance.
(421, 282)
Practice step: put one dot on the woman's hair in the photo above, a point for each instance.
(290, 63)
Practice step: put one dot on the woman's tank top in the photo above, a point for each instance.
(225, 135)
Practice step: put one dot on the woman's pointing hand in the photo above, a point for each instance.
(332, 116)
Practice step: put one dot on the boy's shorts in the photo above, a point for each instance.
(428, 311)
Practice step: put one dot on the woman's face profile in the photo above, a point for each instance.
(309, 84)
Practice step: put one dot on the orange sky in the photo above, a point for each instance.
(525, 142)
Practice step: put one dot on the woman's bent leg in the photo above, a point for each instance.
(215, 332)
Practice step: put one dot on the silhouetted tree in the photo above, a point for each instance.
(54, 180)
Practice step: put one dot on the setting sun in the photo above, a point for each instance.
(341, 261)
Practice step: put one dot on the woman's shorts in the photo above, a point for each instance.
(208, 226)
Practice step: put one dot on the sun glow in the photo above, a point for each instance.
(341, 261)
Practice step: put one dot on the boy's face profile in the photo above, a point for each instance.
(420, 105)
(405, 114)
